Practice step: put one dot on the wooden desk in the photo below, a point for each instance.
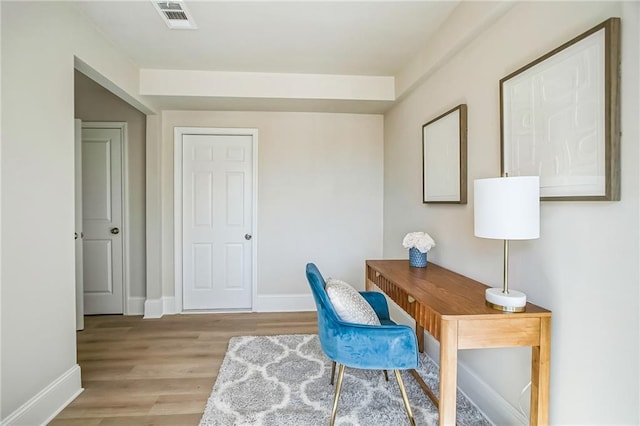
(452, 309)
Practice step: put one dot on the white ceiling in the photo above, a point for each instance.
(311, 37)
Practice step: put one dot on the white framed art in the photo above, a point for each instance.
(560, 118)
(444, 158)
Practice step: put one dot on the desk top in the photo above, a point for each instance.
(445, 292)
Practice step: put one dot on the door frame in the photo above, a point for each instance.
(124, 183)
(77, 160)
(178, 133)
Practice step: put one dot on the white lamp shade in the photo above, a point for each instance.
(507, 208)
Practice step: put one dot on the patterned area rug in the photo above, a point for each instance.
(284, 380)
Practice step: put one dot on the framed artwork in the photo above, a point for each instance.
(560, 118)
(444, 158)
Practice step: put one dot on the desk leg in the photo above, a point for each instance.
(448, 372)
(420, 336)
(540, 359)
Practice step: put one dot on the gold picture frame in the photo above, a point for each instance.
(444, 158)
(560, 118)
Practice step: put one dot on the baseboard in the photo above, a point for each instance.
(135, 306)
(488, 401)
(284, 303)
(169, 305)
(153, 308)
(47, 403)
(156, 308)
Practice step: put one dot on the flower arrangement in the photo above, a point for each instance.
(418, 240)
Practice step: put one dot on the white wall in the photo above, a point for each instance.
(95, 103)
(39, 41)
(314, 166)
(0, 214)
(319, 195)
(153, 196)
(585, 265)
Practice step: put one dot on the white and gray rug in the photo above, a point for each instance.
(284, 380)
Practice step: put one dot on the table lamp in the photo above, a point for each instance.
(507, 208)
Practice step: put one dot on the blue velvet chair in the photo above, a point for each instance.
(374, 347)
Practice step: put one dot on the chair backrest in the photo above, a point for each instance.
(387, 347)
(328, 319)
(318, 283)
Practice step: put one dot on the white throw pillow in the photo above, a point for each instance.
(349, 303)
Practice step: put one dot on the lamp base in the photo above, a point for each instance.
(514, 301)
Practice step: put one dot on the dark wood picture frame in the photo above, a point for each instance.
(560, 118)
(444, 158)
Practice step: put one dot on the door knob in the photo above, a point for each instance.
(115, 231)
(247, 237)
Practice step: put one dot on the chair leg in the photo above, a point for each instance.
(337, 395)
(403, 392)
(386, 376)
(333, 371)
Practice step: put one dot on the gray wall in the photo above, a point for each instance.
(319, 197)
(39, 43)
(585, 265)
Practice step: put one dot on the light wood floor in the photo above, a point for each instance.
(160, 371)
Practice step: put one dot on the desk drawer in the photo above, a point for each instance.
(497, 333)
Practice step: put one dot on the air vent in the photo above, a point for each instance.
(175, 14)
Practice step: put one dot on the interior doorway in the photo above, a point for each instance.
(99, 108)
(215, 220)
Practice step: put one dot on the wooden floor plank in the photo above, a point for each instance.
(160, 372)
(162, 420)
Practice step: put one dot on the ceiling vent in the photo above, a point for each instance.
(175, 14)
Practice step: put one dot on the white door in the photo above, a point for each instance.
(78, 225)
(217, 218)
(102, 220)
